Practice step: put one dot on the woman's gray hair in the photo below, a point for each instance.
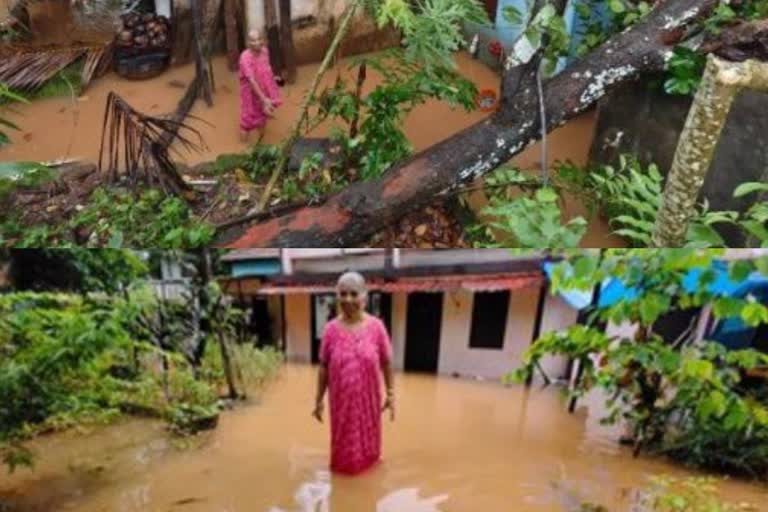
(353, 280)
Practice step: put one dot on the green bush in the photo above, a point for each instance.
(70, 359)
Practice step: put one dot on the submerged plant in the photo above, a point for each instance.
(683, 398)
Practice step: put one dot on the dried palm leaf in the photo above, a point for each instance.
(95, 59)
(137, 140)
(28, 70)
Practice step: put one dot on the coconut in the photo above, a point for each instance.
(131, 20)
(141, 41)
(147, 17)
(125, 37)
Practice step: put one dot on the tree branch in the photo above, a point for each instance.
(364, 208)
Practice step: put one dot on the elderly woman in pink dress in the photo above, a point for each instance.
(259, 93)
(354, 354)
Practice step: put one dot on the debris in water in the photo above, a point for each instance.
(187, 501)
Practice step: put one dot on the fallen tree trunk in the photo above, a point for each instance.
(353, 215)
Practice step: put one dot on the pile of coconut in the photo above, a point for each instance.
(144, 31)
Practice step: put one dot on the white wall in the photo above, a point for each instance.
(455, 354)
(320, 9)
(420, 257)
(399, 317)
(297, 330)
(558, 315)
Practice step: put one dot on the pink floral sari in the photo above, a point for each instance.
(256, 66)
(354, 359)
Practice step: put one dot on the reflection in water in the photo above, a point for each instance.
(408, 500)
(456, 446)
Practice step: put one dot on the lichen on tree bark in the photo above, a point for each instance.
(721, 82)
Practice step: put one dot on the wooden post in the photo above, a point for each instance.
(358, 94)
(286, 42)
(230, 25)
(202, 67)
(272, 34)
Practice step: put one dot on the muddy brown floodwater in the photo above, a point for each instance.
(457, 445)
(71, 127)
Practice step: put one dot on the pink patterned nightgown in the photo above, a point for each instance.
(256, 66)
(354, 359)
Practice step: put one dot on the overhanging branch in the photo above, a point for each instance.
(353, 215)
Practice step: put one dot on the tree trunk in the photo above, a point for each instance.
(286, 42)
(721, 82)
(230, 24)
(272, 34)
(202, 66)
(358, 94)
(364, 208)
(226, 362)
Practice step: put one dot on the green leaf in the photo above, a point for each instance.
(739, 270)
(651, 307)
(16, 170)
(727, 307)
(617, 6)
(116, 239)
(749, 188)
(754, 314)
(714, 404)
(704, 236)
(761, 265)
(584, 266)
(546, 195)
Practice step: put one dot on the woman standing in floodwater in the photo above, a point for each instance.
(259, 93)
(355, 350)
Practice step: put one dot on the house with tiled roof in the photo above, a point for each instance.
(456, 312)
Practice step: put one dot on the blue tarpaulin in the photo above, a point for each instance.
(731, 332)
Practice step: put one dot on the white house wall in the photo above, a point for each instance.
(420, 257)
(399, 317)
(557, 315)
(320, 9)
(298, 332)
(455, 354)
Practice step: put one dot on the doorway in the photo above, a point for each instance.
(422, 334)
(324, 310)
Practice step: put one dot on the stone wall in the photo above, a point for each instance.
(641, 119)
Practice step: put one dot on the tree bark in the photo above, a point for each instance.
(286, 42)
(230, 24)
(226, 362)
(272, 34)
(364, 208)
(721, 82)
(202, 66)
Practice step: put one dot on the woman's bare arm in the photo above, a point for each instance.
(389, 382)
(257, 89)
(322, 385)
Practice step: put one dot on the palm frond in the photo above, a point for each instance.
(28, 69)
(137, 140)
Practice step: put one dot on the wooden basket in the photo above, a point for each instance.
(143, 65)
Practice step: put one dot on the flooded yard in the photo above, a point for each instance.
(457, 445)
(68, 127)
